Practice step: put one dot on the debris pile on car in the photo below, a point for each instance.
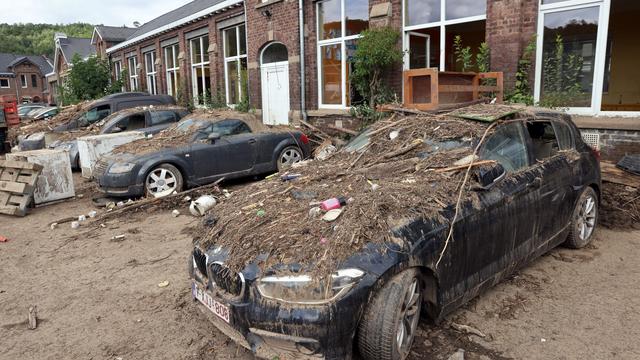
(322, 211)
(620, 198)
(67, 114)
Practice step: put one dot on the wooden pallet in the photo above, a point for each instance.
(17, 184)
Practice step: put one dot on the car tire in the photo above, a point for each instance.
(289, 156)
(379, 333)
(583, 220)
(166, 176)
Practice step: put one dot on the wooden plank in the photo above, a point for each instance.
(612, 174)
(11, 210)
(20, 165)
(15, 187)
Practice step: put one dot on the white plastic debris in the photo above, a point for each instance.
(82, 218)
(53, 226)
(325, 152)
(175, 213)
(394, 134)
(93, 213)
(332, 215)
(314, 212)
(75, 225)
(202, 205)
(117, 238)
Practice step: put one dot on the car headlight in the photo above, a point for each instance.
(304, 289)
(121, 168)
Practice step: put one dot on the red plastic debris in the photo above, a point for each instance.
(3, 239)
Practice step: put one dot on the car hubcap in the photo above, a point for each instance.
(410, 314)
(587, 218)
(290, 157)
(161, 182)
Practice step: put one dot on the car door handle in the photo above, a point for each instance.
(252, 141)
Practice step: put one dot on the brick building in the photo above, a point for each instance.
(105, 37)
(232, 50)
(65, 49)
(24, 77)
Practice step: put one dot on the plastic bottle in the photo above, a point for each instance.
(335, 203)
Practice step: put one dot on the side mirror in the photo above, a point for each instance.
(213, 137)
(488, 176)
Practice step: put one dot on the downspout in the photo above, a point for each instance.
(303, 97)
(246, 41)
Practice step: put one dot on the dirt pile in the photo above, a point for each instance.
(67, 114)
(402, 173)
(620, 208)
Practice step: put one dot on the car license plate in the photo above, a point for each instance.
(221, 310)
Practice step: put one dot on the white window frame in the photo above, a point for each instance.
(407, 59)
(23, 81)
(8, 84)
(342, 41)
(238, 59)
(117, 68)
(442, 25)
(172, 72)
(600, 55)
(133, 73)
(152, 74)
(203, 65)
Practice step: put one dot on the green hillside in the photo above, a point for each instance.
(37, 39)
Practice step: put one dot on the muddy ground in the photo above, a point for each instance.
(99, 298)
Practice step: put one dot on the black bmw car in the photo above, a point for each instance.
(209, 149)
(539, 187)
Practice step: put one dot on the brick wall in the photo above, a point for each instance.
(511, 24)
(16, 89)
(614, 144)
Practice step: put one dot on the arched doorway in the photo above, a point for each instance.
(275, 84)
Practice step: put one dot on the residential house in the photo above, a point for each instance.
(24, 77)
(105, 37)
(252, 49)
(65, 49)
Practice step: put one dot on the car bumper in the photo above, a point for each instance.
(274, 330)
(120, 185)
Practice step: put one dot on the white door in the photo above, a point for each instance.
(275, 93)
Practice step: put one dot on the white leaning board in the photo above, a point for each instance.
(56, 180)
(91, 148)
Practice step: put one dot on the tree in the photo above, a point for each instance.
(88, 79)
(37, 39)
(376, 52)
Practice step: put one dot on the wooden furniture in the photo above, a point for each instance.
(427, 89)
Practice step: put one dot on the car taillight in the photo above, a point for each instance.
(304, 139)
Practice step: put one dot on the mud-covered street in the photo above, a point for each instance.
(99, 298)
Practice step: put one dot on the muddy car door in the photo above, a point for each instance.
(495, 234)
(554, 167)
(226, 148)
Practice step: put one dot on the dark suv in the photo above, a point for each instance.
(539, 187)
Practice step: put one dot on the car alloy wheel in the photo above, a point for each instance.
(161, 182)
(586, 220)
(288, 157)
(410, 315)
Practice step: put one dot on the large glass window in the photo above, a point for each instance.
(200, 71)
(340, 23)
(133, 73)
(150, 67)
(431, 27)
(568, 57)
(117, 69)
(235, 64)
(172, 68)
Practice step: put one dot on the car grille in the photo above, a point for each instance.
(225, 279)
(100, 168)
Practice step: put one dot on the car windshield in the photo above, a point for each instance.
(191, 125)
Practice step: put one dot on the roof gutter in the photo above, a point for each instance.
(174, 24)
(303, 87)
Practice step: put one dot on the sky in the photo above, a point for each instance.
(105, 12)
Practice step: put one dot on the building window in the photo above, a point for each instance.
(173, 69)
(23, 81)
(5, 84)
(34, 81)
(431, 26)
(133, 73)
(235, 64)
(340, 23)
(200, 71)
(150, 68)
(117, 67)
